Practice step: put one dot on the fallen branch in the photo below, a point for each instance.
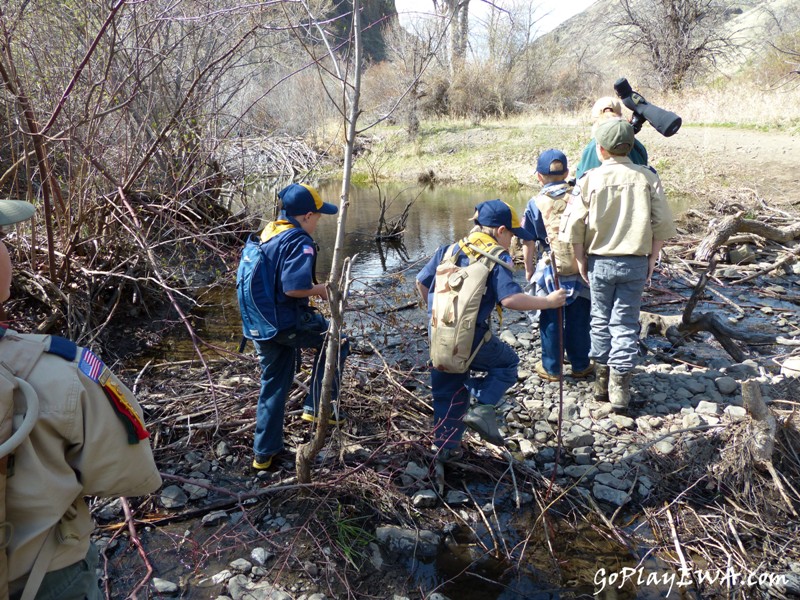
(763, 428)
(676, 328)
(720, 232)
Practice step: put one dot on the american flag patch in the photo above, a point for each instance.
(90, 365)
(308, 250)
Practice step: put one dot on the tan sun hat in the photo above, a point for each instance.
(606, 103)
(14, 211)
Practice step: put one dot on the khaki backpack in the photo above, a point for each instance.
(456, 300)
(566, 263)
(9, 440)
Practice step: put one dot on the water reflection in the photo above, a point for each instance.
(440, 215)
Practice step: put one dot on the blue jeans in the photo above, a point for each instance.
(451, 391)
(77, 581)
(279, 357)
(617, 284)
(575, 336)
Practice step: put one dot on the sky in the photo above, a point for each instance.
(549, 13)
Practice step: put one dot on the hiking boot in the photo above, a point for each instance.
(543, 374)
(261, 462)
(583, 373)
(619, 390)
(338, 417)
(601, 382)
(446, 455)
(482, 419)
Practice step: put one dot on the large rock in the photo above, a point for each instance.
(609, 494)
(241, 588)
(420, 543)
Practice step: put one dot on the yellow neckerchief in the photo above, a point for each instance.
(485, 242)
(273, 228)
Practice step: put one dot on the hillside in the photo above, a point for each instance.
(593, 48)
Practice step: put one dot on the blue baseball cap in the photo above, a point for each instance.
(299, 199)
(546, 160)
(494, 213)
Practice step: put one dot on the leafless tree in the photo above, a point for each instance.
(677, 39)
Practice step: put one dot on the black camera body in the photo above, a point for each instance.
(665, 122)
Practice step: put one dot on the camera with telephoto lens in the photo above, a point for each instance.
(665, 122)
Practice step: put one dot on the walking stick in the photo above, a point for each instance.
(560, 318)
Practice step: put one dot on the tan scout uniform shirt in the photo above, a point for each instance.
(626, 209)
(78, 447)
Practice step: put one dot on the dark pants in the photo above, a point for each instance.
(575, 336)
(78, 581)
(278, 358)
(451, 391)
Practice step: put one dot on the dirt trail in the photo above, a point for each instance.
(767, 162)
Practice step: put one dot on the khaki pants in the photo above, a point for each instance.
(78, 581)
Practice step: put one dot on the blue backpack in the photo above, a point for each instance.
(256, 283)
(254, 291)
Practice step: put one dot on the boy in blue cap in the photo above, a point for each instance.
(274, 303)
(541, 219)
(495, 223)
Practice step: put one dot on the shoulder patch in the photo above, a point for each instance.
(133, 423)
(90, 365)
(308, 249)
(94, 368)
(66, 349)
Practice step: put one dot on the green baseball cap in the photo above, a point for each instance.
(616, 136)
(14, 211)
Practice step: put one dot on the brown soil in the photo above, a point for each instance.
(717, 158)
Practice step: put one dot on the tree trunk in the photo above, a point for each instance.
(337, 284)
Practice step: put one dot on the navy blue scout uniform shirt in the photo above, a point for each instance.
(499, 286)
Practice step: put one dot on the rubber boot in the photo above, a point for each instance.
(482, 419)
(619, 390)
(601, 382)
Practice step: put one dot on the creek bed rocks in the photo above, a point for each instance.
(609, 455)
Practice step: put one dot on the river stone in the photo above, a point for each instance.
(745, 369)
(214, 518)
(707, 408)
(456, 498)
(508, 337)
(610, 480)
(173, 497)
(260, 555)
(162, 586)
(422, 543)
(195, 491)
(241, 588)
(241, 565)
(726, 385)
(574, 439)
(527, 448)
(222, 576)
(791, 367)
(413, 473)
(692, 420)
(695, 386)
(736, 413)
(665, 447)
(622, 421)
(608, 494)
(424, 499)
(683, 393)
(577, 471)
